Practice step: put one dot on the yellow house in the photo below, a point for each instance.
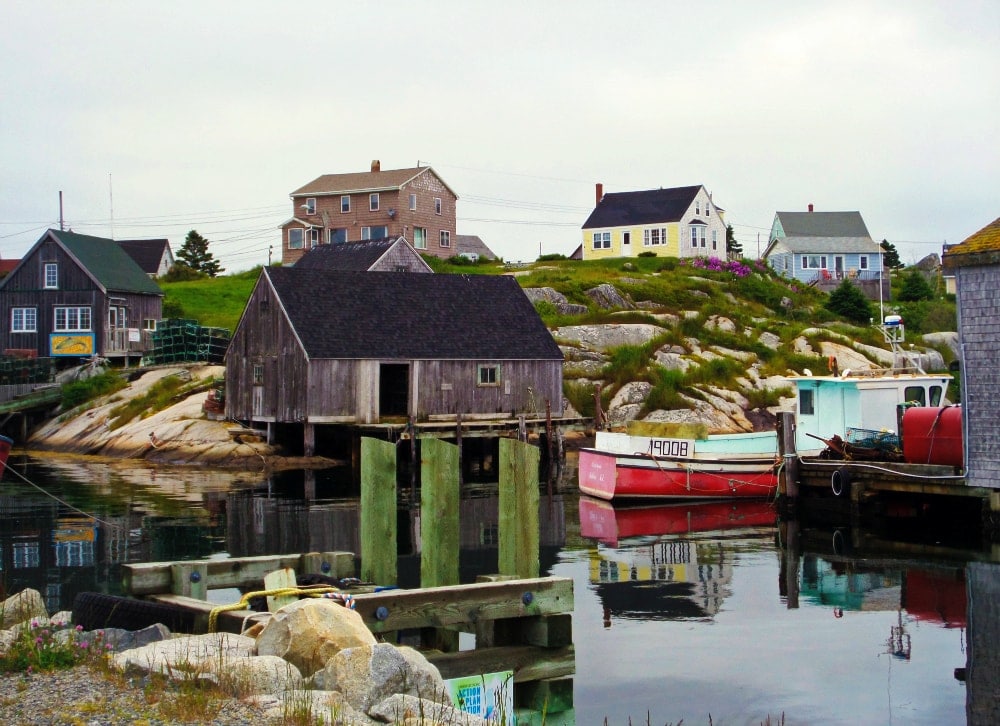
(677, 222)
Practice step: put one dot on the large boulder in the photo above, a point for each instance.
(187, 656)
(605, 337)
(368, 674)
(21, 608)
(407, 710)
(307, 633)
(608, 297)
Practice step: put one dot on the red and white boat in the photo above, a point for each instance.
(622, 466)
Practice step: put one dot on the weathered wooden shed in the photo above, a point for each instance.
(73, 295)
(391, 254)
(333, 347)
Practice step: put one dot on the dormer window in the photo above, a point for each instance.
(310, 205)
(51, 276)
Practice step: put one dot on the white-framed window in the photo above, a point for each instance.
(311, 205)
(488, 375)
(715, 239)
(24, 320)
(708, 209)
(654, 236)
(437, 205)
(72, 319)
(51, 275)
(336, 236)
(373, 202)
(420, 238)
(813, 262)
(258, 374)
(374, 232)
(626, 238)
(345, 203)
(413, 202)
(602, 240)
(863, 262)
(296, 237)
(445, 238)
(314, 236)
(697, 235)
(149, 324)
(697, 207)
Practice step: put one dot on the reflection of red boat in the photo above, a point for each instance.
(938, 597)
(603, 521)
(5, 444)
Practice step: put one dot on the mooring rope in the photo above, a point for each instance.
(332, 593)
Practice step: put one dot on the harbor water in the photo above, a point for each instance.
(703, 614)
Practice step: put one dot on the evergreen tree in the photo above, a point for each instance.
(848, 300)
(194, 254)
(890, 255)
(915, 287)
(734, 250)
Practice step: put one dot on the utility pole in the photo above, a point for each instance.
(62, 227)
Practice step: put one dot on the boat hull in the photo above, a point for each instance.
(614, 475)
(5, 445)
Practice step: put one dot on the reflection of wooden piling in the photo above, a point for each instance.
(439, 501)
(791, 564)
(378, 511)
(519, 539)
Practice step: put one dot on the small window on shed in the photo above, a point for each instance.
(489, 375)
(149, 324)
(258, 374)
(806, 403)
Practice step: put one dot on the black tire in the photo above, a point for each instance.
(840, 482)
(95, 610)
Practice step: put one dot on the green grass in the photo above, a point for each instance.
(79, 392)
(214, 302)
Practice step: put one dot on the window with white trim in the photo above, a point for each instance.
(24, 320)
(413, 202)
(708, 209)
(715, 239)
(337, 235)
(374, 232)
(626, 238)
(345, 203)
(813, 262)
(296, 237)
(488, 375)
(149, 324)
(445, 238)
(314, 236)
(420, 238)
(373, 202)
(654, 236)
(697, 235)
(258, 374)
(311, 205)
(437, 205)
(602, 240)
(697, 207)
(863, 262)
(72, 319)
(51, 275)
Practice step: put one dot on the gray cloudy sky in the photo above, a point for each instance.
(156, 118)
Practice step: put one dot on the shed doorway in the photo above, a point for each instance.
(393, 389)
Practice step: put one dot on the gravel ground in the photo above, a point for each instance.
(84, 697)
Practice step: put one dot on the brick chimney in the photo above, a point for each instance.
(377, 166)
(598, 193)
(810, 203)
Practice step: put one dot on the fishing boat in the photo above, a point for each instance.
(5, 445)
(863, 408)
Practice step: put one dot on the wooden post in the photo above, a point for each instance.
(308, 439)
(190, 579)
(789, 457)
(439, 500)
(519, 539)
(378, 512)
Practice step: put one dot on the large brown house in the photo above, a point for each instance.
(338, 208)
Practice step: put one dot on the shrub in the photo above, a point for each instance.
(76, 393)
(49, 648)
(848, 301)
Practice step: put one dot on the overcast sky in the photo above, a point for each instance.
(157, 118)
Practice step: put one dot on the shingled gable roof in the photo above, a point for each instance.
(402, 315)
(980, 248)
(364, 181)
(147, 253)
(350, 256)
(107, 264)
(822, 224)
(649, 207)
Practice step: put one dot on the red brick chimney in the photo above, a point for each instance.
(810, 203)
(377, 166)
(598, 193)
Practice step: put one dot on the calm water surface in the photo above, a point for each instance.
(682, 613)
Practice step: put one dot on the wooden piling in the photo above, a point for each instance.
(378, 512)
(439, 503)
(519, 540)
(790, 460)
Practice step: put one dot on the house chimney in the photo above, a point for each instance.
(598, 193)
(377, 166)
(810, 206)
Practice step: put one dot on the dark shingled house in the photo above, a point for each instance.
(325, 347)
(74, 295)
(391, 254)
(154, 256)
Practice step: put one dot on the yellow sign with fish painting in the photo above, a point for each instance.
(71, 344)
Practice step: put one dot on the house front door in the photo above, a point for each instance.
(838, 265)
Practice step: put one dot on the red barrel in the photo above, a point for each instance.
(933, 435)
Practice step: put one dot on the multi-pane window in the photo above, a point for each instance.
(311, 205)
(24, 320)
(337, 236)
(602, 240)
(715, 239)
(813, 262)
(373, 202)
(379, 232)
(445, 238)
(149, 324)
(258, 374)
(654, 236)
(413, 202)
(345, 203)
(72, 318)
(295, 239)
(313, 236)
(51, 275)
(863, 262)
(697, 235)
(437, 205)
(420, 238)
(488, 375)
